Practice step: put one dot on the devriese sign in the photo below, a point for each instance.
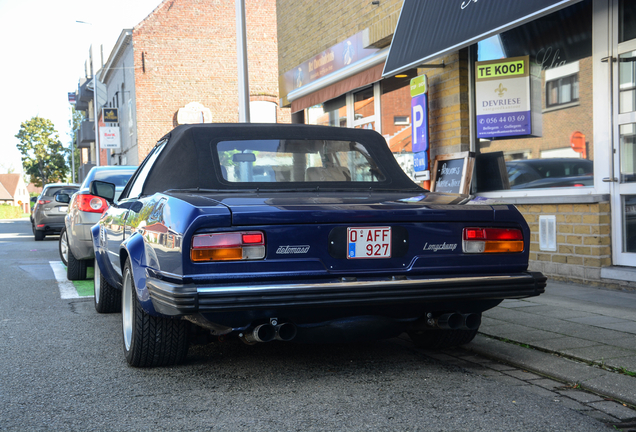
(502, 89)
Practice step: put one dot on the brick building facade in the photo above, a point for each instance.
(185, 52)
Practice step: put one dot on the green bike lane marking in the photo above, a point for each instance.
(86, 288)
(73, 289)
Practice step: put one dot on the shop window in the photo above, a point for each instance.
(364, 108)
(556, 149)
(329, 113)
(384, 107)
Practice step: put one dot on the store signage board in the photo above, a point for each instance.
(502, 90)
(419, 123)
(333, 59)
(452, 172)
(109, 138)
(110, 115)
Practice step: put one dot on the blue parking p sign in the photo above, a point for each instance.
(419, 119)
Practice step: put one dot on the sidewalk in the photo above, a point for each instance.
(580, 336)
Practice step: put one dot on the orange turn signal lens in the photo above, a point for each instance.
(503, 246)
(225, 254)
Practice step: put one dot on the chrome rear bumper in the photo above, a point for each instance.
(185, 299)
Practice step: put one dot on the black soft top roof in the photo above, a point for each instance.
(189, 160)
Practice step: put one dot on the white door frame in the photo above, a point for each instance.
(617, 189)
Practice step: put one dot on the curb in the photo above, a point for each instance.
(604, 383)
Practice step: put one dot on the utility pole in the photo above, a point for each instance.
(241, 52)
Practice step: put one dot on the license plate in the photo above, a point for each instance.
(62, 209)
(369, 242)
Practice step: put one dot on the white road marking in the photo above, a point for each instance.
(67, 289)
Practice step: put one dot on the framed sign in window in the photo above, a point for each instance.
(453, 172)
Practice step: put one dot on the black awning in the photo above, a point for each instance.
(428, 29)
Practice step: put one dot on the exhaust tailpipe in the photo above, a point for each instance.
(471, 321)
(261, 333)
(449, 321)
(285, 332)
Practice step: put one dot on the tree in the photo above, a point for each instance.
(42, 152)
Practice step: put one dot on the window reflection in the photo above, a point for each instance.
(628, 152)
(627, 82)
(629, 222)
(330, 113)
(363, 103)
(560, 150)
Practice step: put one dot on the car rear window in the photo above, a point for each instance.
(119, 178)
(54, 190)
(296, 161)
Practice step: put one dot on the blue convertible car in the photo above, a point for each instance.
(296, 233)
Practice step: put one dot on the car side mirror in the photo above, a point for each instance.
(63, 198)
(103, 190)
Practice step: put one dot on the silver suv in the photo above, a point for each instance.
(84, 211)
(48, 214)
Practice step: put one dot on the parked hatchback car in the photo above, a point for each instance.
(297, 233)
(48, 214)
(550, 172)
(84, 211)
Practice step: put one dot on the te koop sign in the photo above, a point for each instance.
(502, 89)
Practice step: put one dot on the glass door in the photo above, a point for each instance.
(623, 187)
(364, 106)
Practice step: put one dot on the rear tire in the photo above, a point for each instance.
(438, 339)
(107, 297)
(149, 341)
(75, 269)
(39, 235)
(63, 247)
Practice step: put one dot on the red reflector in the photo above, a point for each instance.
(252, 238)
(503, 234)
(492, 234)
(474, 234)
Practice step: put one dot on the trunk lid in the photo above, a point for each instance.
(310, 233)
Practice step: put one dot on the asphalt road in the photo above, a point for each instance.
(62, 368)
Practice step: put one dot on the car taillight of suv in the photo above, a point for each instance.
(91, 203)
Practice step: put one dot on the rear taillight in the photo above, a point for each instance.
(233, 246)
(44, 201)
(91, 203)
(492, 240)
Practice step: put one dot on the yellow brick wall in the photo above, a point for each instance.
(309, 27)
(448, 104)
(583, 240)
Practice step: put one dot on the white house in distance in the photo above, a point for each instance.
(14, 191)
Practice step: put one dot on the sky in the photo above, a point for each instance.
(42, 57)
